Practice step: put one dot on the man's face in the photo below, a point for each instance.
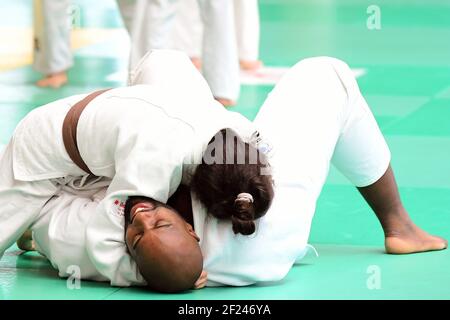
(152, 228)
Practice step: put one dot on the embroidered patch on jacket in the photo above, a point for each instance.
(118, 207)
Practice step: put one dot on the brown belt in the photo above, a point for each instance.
(69, 130)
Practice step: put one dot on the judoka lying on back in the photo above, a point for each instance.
(315, 116)
(163, 247)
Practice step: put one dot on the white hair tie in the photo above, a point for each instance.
(244, 197)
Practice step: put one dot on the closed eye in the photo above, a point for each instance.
(164, 224)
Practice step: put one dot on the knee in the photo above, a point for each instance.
(327, 70)
(323, 62)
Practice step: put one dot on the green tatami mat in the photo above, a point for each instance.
(406, 81)
(340, 272)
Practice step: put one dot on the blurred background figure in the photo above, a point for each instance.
(150, 23)
(146, 22)
(188, 30)
(218, 35)
(220, 65)
(247, 33)
(52, 55)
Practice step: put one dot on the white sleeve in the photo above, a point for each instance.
(60, 233)
(106, 247)
(150, 167)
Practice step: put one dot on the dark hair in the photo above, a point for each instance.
(237, 167)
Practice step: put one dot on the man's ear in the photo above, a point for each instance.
(192, 232)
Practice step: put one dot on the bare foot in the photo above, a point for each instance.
(226, 102)
(197, 62)
(26, 241)
(412, 239)
(54, 81)
(250, 65)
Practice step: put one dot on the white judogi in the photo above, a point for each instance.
(52, 52)
(150, 24)
(59, 231)
(188, 29)
(246, 16)
(153, 136)
(314, 116)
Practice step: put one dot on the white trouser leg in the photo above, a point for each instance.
(361, 152)
(187, 31)
(52, 52)
(220, 58)
(21, 201)
(247, 29)
(314, 115)
(150, 25)
(127, 10)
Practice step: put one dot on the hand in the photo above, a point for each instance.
(201, 282)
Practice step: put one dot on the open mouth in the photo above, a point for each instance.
(141, 207)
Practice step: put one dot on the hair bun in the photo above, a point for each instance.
(243, 217)
(243, 227)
